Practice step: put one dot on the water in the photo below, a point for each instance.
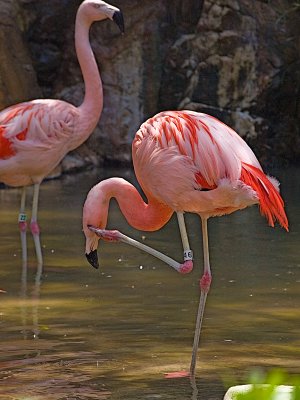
(71, 332)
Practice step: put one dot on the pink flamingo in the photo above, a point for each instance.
(36, 135)
(185, 162)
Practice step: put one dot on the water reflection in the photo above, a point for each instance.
(69, 332)
(32, 299)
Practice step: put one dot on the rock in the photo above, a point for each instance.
(17, 76)
(236, 63)
(235, 59)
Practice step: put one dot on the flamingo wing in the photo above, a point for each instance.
(187, 151)
(39, 124)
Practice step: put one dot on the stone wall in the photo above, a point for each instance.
(235, 59)
(17, 75)
(241, 64)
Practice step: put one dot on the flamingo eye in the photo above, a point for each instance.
(95, 5)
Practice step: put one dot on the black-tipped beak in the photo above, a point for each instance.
(92, 258)
(119, 20)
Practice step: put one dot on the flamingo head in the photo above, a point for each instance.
(94, 217)
(98, 10)
(113, 236)
(92, 258)
(91, 245)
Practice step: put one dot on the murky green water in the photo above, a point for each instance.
(78, 333)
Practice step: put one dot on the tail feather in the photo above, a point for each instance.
(270, 202)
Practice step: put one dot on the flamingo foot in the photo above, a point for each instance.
(107, 235)
(177, 374)
(186, 267)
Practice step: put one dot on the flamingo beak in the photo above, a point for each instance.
(92, 258)
(119, 20)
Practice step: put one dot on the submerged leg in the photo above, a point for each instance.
(23, 226)
(205, 282)
(35, 230)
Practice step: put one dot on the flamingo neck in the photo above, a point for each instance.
(91, 107)
(143, 216)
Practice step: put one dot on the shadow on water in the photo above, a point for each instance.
(71, 332)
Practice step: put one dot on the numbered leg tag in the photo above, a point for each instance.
(188, 255)
(22, 217)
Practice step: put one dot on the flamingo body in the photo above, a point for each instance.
(185, 162)
(178, 155)
(36, 135)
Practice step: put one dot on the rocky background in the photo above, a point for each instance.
(235, 59)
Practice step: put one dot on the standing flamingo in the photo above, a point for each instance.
(36, 135)
(185, 162)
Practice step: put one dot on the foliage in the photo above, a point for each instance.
(264, 386)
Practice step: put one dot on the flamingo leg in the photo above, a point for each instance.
(22, 220)
(116, 236)
(35, 230)
(187, 252)
(205, 282)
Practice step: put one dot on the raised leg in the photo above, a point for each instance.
(35, 230)
(116, 237)
(22, 220)
(205, 282)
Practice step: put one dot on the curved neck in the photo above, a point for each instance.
(92, 104)
(143, 216)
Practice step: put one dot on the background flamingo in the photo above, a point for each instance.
(185, 162)
(36, 135)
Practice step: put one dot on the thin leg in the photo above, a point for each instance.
(205, 282)
(187, 252)
(194, 387)
(35, 230)
(23, 300)
(116, 237)
(22, 220)
(35, 301)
